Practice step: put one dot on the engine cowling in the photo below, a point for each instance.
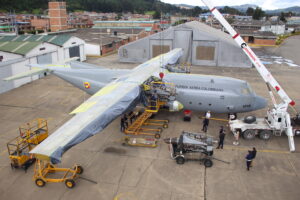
(175, 106)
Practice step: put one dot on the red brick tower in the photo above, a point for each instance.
(58, 15)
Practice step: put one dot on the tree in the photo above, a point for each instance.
(258, 13)
(156, 15)
(196, 11)
(250, 11)
(282, 17)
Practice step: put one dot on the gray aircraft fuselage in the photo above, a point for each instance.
(196, 92)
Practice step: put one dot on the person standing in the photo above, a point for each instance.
(249, 158)
(122, 124)
(206, 121)
(221, 137)
(253, 152)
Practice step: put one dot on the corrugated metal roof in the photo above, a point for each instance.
(21, 48)
(220, 35)
(59, 40)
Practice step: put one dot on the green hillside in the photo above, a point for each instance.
(134, 6)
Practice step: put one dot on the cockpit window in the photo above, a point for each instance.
(246, 90)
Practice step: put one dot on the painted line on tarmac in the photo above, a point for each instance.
(262, 150)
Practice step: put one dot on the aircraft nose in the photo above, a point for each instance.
(260, 103)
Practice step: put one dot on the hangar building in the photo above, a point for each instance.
(18, 51)
(202, 44)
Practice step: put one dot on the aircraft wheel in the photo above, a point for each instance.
(207, 162)
(157, 135)
(265, 134)
(165, 126)
(180, 160)
(70, 183)
(249, 134)
(40, 182)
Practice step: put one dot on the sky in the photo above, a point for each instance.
(265, 4)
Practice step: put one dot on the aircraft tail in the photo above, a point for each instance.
(39, 69)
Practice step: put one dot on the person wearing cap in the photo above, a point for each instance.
(221, 137)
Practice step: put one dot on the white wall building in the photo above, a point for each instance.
(276, 27)
(18, 51)
(17, 55)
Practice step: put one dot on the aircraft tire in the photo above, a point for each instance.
(249, 119)
(265, 134)
(249, 134)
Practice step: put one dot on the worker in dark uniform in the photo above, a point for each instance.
(205, 124)
(122, 124)
(131, 116)
(221, 137)
(249, 158)
(153, 100)
(253, 155)
(125, 121)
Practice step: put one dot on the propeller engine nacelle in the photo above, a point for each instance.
(175, 106)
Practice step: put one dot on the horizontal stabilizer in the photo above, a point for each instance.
(32, 72)
(67, 60)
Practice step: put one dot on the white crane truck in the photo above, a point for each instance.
(278, 119)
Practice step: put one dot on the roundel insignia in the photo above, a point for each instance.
(87, 85)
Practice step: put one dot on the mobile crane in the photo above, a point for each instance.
(278, 118)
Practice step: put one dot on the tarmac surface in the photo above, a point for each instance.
(137, 173)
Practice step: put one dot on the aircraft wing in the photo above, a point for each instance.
(100, 109)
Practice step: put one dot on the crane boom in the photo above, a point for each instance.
(280, 109)
(263, 71)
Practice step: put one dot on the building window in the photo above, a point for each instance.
(110, 45)
(205, 53)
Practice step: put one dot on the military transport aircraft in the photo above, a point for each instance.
(117, 90)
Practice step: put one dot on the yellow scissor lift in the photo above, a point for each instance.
(141, 125)
(31, 134)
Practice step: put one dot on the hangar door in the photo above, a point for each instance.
(183, 39)
(44, 59)
(205, 53)
(74, 51)
(158, 47)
